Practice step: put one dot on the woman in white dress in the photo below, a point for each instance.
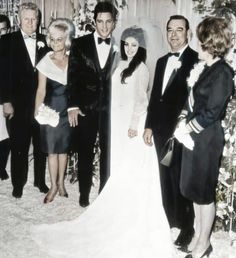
(127, 219)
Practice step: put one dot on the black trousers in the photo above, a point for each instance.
(20, 144)
(178, 209)
(4, 152)
(84, 139)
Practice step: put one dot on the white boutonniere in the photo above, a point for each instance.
(115, 48)
(195, 73)
(176, 65)
(40, 44)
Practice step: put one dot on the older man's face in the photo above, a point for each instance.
(3, 28)
(177, 35)
(28, 21)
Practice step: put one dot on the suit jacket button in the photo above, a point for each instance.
(161, 100)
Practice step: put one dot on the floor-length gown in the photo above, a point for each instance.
(127, 219)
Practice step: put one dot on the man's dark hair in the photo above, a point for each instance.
(178, 17)
(105, 7)
(4, 18)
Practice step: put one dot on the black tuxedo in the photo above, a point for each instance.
(20, 89)
(4, 144)
(90, 90)
(162, 117)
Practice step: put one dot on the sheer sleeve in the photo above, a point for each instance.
(141, 97)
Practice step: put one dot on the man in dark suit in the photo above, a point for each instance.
(91, 62)
(168, 96)
(25, 49)
(4, 139)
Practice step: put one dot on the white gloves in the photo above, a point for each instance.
(182, 134)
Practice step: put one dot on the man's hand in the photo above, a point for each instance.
(132, 133)
(8, 110)
(147, 136)
(73, 117)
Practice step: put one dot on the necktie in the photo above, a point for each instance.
(33, 36)
(107, 40)
(173, 54)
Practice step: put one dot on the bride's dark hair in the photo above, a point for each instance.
(141, 54)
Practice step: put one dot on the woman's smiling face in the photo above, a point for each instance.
(131, 47)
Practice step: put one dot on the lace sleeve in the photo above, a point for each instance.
(141, 97)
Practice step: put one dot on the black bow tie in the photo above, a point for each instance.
(173, 54)
(107, 40)
(33, 36)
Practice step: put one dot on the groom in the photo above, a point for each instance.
(168, 96)
(91, 62)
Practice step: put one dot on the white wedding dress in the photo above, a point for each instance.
(127, 219)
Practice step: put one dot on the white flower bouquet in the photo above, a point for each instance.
(47, 116)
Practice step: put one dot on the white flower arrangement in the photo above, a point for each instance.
(47, 115)
(40, 44)
(226, 188)
(115, 48)
(176, 64)
(195, 73)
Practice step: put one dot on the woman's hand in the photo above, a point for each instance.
(132, 133)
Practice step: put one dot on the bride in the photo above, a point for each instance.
(127, 219)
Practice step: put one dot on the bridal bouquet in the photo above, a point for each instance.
(46, 115)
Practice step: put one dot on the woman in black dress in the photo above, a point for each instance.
(52, 91)
(210, 87)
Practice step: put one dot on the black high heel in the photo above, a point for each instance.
(206, 253)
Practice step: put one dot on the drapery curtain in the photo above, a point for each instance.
(157, 10)
(186, 8)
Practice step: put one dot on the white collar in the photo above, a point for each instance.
(96, 35)
(24, 34)
(181, 50)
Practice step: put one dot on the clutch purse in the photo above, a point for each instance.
(47, 116)
(167, 152)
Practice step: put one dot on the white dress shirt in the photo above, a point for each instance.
(103, 50)
(31, 47)
(170, 67)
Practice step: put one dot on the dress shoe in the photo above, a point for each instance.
(17, 193)
(206, 253)
(63, 192)
(4, 175)
(84, 201)
(184, 238)
(50, 195)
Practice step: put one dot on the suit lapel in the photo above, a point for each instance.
(40, 44)
(172, 76)
(22, 47)
(95, 54)
(175, 71)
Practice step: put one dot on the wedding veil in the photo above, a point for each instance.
(155, 44)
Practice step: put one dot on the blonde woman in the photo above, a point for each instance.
(52, 91)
